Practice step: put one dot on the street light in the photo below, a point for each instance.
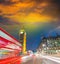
(43, 45)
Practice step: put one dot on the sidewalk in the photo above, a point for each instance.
(55, 55)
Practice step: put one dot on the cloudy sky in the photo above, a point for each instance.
(37, 16)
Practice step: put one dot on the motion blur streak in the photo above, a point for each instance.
(11, 60)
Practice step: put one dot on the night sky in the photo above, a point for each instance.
(39, 17)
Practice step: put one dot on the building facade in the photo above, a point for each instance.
(50, 44)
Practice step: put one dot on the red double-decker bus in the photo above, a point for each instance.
(9, 48)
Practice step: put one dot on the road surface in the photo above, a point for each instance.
(40, 59)
(32, 60)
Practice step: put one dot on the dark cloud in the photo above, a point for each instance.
(7, 21)
(55, 3)
(10, 2)
(37, 1)
(7, 2)
(52, 9)
(40, 1)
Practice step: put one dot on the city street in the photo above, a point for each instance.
(32, 60)
(41, 59)
(10, 50)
